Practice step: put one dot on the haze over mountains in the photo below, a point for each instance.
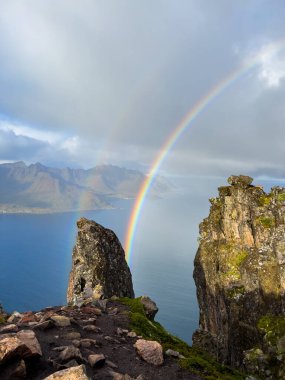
(38, 188)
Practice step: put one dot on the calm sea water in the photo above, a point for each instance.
(35, 257)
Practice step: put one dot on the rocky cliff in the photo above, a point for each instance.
(240, 278)
(99, 269)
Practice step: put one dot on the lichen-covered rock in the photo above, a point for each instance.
(99, 268)
(240, 274)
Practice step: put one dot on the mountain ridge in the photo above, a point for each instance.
(37, 188)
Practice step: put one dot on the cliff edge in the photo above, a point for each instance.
(240, 278)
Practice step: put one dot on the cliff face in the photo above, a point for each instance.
(99, 269)
(240, 277)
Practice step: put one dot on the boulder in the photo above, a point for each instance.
(28, 337)
(149, 306)
(60, 320)
(240, 180)
(12, 346)
(96, 360)
(150, 351)
(73, 373)
(69, 353)
(99, 268)
(9, 328)
(14, 317)
(72, 335)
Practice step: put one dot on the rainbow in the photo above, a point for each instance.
(185, 123)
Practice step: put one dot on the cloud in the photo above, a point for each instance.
(18, 147)
(269, 59)
(109, 81)
(272, 69)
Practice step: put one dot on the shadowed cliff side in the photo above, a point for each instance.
(240, 278)
(99, 268)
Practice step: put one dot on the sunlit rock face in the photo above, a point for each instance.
(240, 276)
(99, 269)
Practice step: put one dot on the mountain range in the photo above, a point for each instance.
(38, 188)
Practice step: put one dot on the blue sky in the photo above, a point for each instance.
(92, 82)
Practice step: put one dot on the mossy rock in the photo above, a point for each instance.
(235, 292)
(265, 200)
(273, 326)
(196, 361)
(265, 221)
(281, 197)
(234, 258)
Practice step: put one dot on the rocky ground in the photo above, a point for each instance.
(82, 343)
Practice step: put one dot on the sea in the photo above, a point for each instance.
(36, 252)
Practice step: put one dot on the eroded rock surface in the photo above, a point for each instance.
(240, 277)
(99, 269)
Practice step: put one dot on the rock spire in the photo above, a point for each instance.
(240, 278)
(99, 269)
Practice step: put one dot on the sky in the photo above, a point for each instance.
(106, 82)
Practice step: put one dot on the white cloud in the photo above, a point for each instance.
(71, 144)
(18, 129)
(268, 57)
(272, 66)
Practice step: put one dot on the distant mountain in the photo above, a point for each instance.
(38, 188)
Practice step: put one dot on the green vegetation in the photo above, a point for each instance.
(235, 292)
(281, 197)
(265, 221)
(239, 258)
(265, 200)
(273, 326)
(234, 260)
(195, 360)
(2, 319)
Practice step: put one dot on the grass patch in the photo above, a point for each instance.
(134, 304)
(195, 360)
